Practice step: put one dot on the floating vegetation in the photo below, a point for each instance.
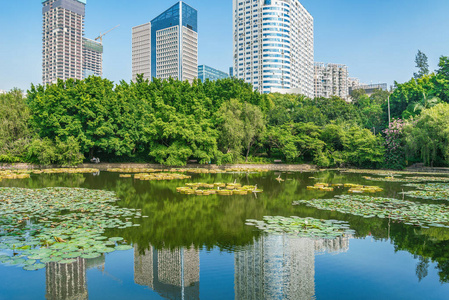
(219, 171)
(353, 188)
(245, 170)
(58, 224)
(325, 187)
(14, 175)
(223, 189)
(385, 172)
(410, 213)
(67, 171)
(135, 170)
(431, 191)
(408, 179)
(125, 175)
(303, 227)
(161, 176)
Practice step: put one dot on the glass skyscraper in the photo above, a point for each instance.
(168, 45)
(206, 72)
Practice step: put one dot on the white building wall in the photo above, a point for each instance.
(331, 80)
(273, 45)
(141, 51)
(189, 54)
(167, 53)
(62, 42)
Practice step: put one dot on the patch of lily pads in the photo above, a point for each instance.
(353, 188)
(59, 225)
(223, 189)
(431, 191)
(161, 176)
(411, 213)
(303, 227)
(408, 179)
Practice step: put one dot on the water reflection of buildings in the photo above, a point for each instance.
(68, 281)
(174, 274)
(281, 267)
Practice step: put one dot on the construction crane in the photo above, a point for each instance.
(100, 37)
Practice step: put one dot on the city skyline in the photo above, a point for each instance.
(379, 47)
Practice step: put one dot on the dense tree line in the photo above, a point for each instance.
(172, 122)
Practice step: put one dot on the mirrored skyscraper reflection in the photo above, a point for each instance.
(281, 266)
(173, 274)
(68, 281)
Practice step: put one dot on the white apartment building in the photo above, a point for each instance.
(63, 30)
(273, 45)
(92, 58)
(167, 47)
(331, 80)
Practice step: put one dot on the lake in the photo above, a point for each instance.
(198, 247)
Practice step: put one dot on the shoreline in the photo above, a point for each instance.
(270, 167)
(106, 166)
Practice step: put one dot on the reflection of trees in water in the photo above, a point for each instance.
(68, 281)
(280, 266)
(177, 220)
(47, 180)
(173, 274)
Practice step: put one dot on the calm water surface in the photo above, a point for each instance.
(194, 247)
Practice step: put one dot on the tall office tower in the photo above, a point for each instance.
(173, 274)
(141, 57)
(276, 267)
(206, 72)
(281, 266)
(63, 30)
(331, 80)
(171, 39)
(273, 45)
(92, 58)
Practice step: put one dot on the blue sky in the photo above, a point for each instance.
(377, 39)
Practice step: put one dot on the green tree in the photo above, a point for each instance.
(422, 65)
(14, 132)
(428, 137)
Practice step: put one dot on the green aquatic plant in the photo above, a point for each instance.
(431, 191)
(408, 179)
(411, 213)
(302, 227)
(59, 224)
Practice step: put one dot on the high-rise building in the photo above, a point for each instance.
(231, 72)
(331, 80)
(273, 45)
(168, 45)
(281, 266)
(63, 30)
(92, 58)
(206, 72)
(174, 274)
(369, 88)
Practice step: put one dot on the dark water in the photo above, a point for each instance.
(198, 247)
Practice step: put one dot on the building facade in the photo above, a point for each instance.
(167, 47)
(173, 274)
(369, 88)
(92, 58)
(63, 30)
(206, 72)
(273, 45)
(331, 80)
